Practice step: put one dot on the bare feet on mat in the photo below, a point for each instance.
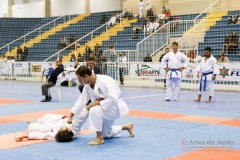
(19, 139)
(208, 101)
(96, 141)
(29, 122)
(129, 128)
(197, 100)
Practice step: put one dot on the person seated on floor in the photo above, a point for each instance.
(112, 21)
(233, 19)
(155, 25)
(148, 27)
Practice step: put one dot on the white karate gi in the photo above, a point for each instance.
(204, 68)
(174, 62)
(141, 7)
(148, 5)
(112, 21)
(155, 26)
(102, 117)
(47, 127)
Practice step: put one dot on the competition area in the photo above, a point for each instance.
(184, 130)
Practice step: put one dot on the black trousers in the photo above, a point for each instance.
(121, 74)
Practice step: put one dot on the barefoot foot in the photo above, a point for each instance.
(29, 122)
(18, 139)
(96, 141)
(129, 128)
(197, 100)
(208, 101)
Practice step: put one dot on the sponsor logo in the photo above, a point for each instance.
(146, 70)
(224, 72)
(36, 68)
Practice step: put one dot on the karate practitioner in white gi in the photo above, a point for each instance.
(55, 127)
(107, 107)
(141, 8)
(174, 63)
(207, 69)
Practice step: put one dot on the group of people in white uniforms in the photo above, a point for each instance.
(102, 113)
(141, 7)
(175, 62)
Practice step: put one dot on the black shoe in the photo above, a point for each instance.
(50, 98)
(122, 83)
(47, 99)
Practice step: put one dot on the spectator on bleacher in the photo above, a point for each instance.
(19, 54)
(11, 59)
(233, 19)
(191, 56)
(223, 58)
(3, 58)
(25, 53)
(72, 39)
(148, 27)
(168, 16)
(63, 43)
(234, 43)
(128, 15)
(148, 6)
(112, 21)
(92, 56)
(141, 9)
(174, 26)
(150, 15)
(148, 58)
(227, 41)
(112, 52)
(102, 64)
(122, 59)
(164, 10)
(155, 25)
(80, 57)
(72, 58)
(97, 48)
(104, 19)
(76, 65)
(51, 81)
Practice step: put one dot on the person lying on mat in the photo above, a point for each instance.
(55, 127)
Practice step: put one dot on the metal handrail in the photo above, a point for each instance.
(105, 24)
(195, 19)
(31, 32)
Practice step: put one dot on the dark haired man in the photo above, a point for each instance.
(107, 107)
(208, 69)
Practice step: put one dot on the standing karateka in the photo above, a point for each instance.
(141, 8)
(174, 63)
(107, 107)
(148, 5)
(208, 69)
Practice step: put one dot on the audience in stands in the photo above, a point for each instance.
(102, 64)
(128, 15)
(223, 58)
(112, 52)
(227, 41)
(148, 58)
(168, 16)
(174, 26)
(155, 25)
(164, 10)
(234, 43)
(63, 43)
(19, 54)
(11, 59)
(148, 27)
(88, 51)
(150, 15)
(72, 39)
(80, 57)
(141, 9)
(25, 53)
(148, 6)
(3, 58)
(97, 49)
(191, 55)
(104, 19)
(72, 58)
(233, 19)
(112, 21)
